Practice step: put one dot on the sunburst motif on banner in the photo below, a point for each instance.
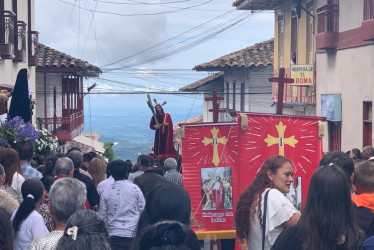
(215, 145)
(293, 138)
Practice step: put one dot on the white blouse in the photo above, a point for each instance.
(279, 210)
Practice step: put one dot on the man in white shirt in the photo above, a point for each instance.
(121, 206)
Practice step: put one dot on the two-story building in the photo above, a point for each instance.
(242, 80)
(18, 41)
(294, 45)
(345, 60)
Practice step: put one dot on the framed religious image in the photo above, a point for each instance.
(295, 193)
(216, 188)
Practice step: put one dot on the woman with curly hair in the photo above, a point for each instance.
(272, 182)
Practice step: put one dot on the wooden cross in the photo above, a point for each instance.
(215, 108)
(281, 80)
(280, 140)
(215, 141)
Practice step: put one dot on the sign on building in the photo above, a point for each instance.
(302, 74)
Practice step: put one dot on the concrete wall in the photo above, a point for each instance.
(350, 14)
(349, 73)
(8, 68)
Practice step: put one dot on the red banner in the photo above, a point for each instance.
(220, 160)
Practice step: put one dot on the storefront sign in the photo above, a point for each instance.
(302, 74)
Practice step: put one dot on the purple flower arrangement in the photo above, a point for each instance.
(15, 131)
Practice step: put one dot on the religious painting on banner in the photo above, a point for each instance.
(296, 137)
(210, 154)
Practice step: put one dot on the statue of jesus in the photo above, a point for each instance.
(164, 132)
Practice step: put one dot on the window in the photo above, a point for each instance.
(367, 124)
(280, 38)
(309, 34)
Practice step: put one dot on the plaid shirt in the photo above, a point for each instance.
(29, 172)
(174, 177)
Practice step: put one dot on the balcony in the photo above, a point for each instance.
(328, 22)
(367, 25)
(33, 48)
(7, 34)
(263, 4)
(65, 128)
(20, 43)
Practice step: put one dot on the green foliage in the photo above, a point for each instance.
(108, 153)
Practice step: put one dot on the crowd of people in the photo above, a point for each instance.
(78, 201)
(338, 214)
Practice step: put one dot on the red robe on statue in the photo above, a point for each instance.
(164, 135)
(218, 195)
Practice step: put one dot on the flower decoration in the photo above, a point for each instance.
(45, 144)
(15, 131)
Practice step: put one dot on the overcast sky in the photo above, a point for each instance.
(106, 31)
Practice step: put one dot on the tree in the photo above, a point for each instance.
(108, 153)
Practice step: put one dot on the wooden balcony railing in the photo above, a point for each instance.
(20, 50)
(368, 9)
(328, 18)
(7, 34)
(33, 48)
(65, 128)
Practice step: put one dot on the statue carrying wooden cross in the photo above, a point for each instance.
(162, 123)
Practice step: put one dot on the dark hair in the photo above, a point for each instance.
(108, 173)
(10, 161)
(50, 164)
(139, 159)
(92, 233)
(340, 159)
(26, 151)
(76, 157)
(40, 160)
(32, 191)
(87, 157)
(129, 163)
(251, 196)
(364, 176)
(328, 213)
(47, 182)
(167, 201)
(119, 170)
(168, 235)
(357, 153)
(147, 161)
(93, 154)
(6, 231)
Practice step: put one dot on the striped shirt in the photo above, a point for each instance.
(174, 177)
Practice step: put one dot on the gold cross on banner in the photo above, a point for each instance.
(280, 140)
(215, 141)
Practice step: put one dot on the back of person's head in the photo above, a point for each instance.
(119, 170)
(139, 159)
(97, 170)
(77, 158)
(50, 164)
(328, 213)
(356, 153)
(67, 196)
(146, 161)
(6, 231)
(340, 159)
(367, 152)
(170, 163)
(364, 177)
(168, 235)
(129, 163)
(40, 159)
(10, 161)
(246, 209)
(87, 157)
(26, 151)
(84, 230)
(64, 166)
(166, 202)
(108, 167)
(32, 192)
(72, 149)
(134, 168)
(48, 182)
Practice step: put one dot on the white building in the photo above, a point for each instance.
(243, 81)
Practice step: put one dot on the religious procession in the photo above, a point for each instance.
(205, 126)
